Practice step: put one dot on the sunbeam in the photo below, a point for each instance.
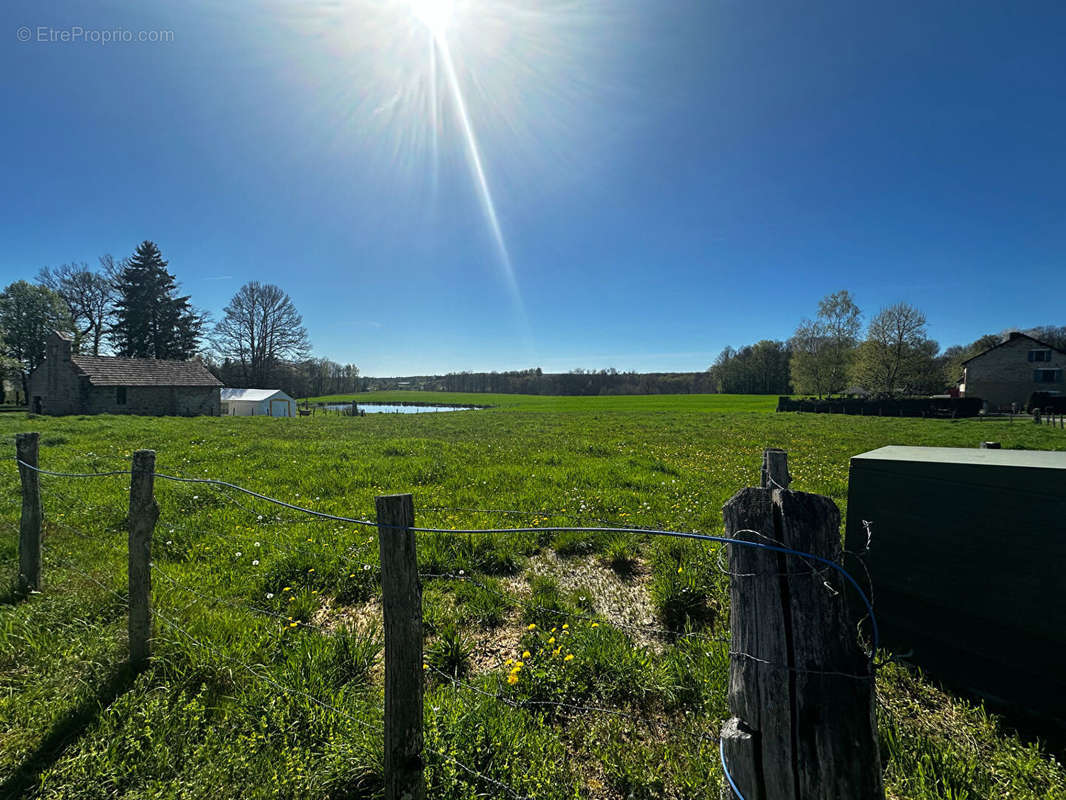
(476, 165)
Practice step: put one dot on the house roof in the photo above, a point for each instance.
(251, 395)
(1015, 335)
(109, 371)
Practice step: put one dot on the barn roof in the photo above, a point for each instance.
(110, 371)
(252, 395)
(1015, 335)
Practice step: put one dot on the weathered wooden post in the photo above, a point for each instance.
(401, 599)
(801, 690)
(26, 450)
(143, 514)
(775, 468)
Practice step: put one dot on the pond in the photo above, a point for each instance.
(388, 408)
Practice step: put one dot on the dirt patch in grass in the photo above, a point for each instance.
(623, 601)
(332, 615)
(493, 646)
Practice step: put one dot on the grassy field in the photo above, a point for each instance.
(267, 681)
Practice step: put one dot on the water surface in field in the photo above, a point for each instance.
(388, 408)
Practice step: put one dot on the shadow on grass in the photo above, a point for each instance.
(12, 595)
(66, 732)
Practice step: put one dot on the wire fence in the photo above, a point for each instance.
(280, 526)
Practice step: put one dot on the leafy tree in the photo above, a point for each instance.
(260, 330)
(822, 349)
(896, 357)
(89, 296)
(28, 314)
(151, 319)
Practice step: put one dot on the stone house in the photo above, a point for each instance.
(73, 384)
(1012, 370)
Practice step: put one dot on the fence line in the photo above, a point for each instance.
(768, 546)
(534, 529)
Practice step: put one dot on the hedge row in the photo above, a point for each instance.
(950, 407)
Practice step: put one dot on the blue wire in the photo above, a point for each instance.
(676, 534)
(725, 769)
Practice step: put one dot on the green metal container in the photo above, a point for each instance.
(967, 556)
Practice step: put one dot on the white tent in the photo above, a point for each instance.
(257, 403)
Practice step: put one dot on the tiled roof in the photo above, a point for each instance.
(107, 371)
(1014, 337)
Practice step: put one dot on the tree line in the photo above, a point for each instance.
(536, 381)
(832, 355)
(133, 308)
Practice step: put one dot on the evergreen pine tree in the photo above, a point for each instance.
(151, 319)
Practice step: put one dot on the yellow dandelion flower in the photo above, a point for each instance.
(595, 624)
(555, 652)
(551, 640)
(569, 657)
(554, 629)
(293, 624)
(525, 654)
(512, 679)
(508, 662)
(566, 625)
(679, 570)
(287, 589)
(531, 627)
(425, 666)
(518, 665)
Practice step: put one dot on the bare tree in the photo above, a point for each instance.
(896, 354)
(260, 329)
(90, 297)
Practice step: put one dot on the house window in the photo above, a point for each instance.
(120, 395)
(1039, 355)
(1047, 375)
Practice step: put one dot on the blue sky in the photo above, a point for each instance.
(667, 178)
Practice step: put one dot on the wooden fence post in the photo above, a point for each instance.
(143, 514)
(26, 449)
(801, 691)
(775, 469)
(401, 600)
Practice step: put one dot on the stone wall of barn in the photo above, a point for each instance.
(55, 386)
(177, 401)
(1005, 374)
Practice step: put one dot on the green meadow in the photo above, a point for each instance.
(267, 674)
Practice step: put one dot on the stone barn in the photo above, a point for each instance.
(72, 384)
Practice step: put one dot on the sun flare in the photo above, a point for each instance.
(434, 14)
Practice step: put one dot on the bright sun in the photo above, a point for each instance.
(434, 14)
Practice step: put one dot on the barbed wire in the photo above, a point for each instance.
(599, 619)
(770, 545)
(66, 564)
(195, 641)
(729, 540)
(290, 622)
(285, 688)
